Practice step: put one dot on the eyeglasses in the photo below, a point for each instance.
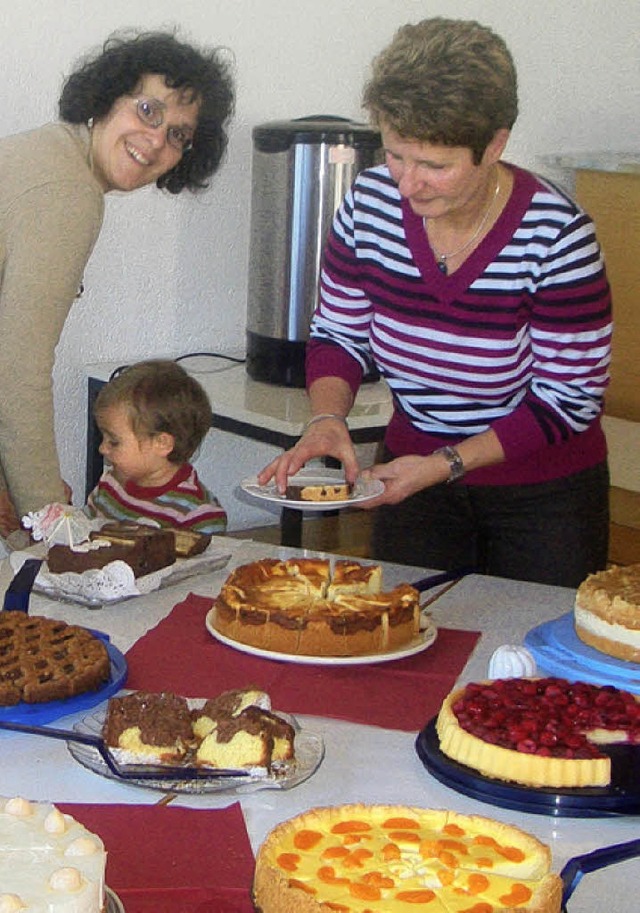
(151, 112)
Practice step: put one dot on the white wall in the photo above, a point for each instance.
(169, 275)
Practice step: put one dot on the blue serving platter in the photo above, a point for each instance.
(558, 650)
(621, 797)
(39, 714)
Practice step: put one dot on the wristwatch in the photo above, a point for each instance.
(456, 466)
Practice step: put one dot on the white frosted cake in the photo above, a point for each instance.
(48, 861)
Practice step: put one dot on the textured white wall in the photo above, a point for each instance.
(168, 275)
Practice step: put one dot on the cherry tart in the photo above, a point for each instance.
(538, 731)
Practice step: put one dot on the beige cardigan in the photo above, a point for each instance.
(51, 212)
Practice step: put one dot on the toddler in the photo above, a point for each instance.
(152, 417)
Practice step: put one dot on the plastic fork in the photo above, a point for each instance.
(159, 772)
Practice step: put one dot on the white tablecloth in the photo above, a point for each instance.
(362, 763)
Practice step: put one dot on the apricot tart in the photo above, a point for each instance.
(363, 859)
(300, 607)
(607, 612)
(538, 731)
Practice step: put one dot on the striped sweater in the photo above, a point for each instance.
(182, 502)
(517, 339)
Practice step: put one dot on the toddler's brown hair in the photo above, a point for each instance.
(160, 396)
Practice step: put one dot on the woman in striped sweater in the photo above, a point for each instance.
(479, 292)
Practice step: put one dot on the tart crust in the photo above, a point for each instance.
(528, 767)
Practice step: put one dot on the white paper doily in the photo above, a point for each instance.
(116, 581)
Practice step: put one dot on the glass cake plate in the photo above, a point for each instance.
(309, 752)
(113, 904)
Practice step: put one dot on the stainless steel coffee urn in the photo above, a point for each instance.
(301, 170)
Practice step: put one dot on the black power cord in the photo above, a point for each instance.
(232, 358)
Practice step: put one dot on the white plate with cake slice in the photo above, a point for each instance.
(316, 489)
(423, 641)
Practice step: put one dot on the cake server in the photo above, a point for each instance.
(433, 580)
(156, 772)
(16, 598)
(575, 868)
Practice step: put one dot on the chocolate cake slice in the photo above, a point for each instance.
(144, 548)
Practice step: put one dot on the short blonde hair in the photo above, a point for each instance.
(160, 396)
(448, 82)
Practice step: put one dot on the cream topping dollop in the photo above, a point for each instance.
(66, 879)
(82, 846)
(55, 822)
(19, 807)
(11, 903)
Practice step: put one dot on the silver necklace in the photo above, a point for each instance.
(441, 259)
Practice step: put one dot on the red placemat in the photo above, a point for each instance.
(180, 655)
(165, 859)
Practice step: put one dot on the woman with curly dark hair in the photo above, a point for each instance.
(146, 108)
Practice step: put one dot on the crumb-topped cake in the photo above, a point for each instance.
(251, 738)
(392, 859)
(148, 726)
(300, 606)
(48, 861)
(538, 731)
(42, 659)
(607, 612)
(235, 729)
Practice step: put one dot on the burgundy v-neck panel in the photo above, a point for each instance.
(448, 288)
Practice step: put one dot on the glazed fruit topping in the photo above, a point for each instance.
(547, 716)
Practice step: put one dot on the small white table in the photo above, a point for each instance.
(252, 409)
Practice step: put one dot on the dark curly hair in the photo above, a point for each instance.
(160, 396)
(117, 68)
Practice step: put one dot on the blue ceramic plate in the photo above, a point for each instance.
(39, 714)
(558, 650)
(622, 797)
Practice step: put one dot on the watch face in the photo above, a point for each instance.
(456, 466)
